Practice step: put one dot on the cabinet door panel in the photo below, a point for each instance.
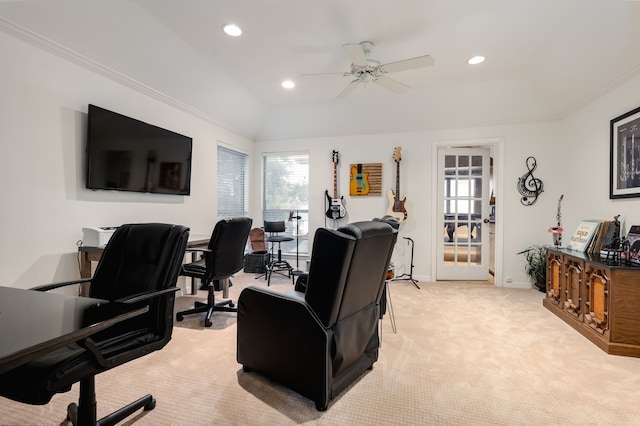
(573, 281)
(598, 300)
(554, 277)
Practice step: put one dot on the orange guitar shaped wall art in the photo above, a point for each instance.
(396, 205)
(359, 181)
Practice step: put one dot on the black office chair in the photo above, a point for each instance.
(139, 266)
(223, 257)
(277, 265)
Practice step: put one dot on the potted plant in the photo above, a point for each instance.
(536, 266)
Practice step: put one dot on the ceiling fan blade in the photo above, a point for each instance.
(407, 64)
(391, 84)
(356, 54)
(326, 74)
(347, 90)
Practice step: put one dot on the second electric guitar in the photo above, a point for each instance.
(336, 208)
(396, 205)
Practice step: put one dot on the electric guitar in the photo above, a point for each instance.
(359, 181)
(396, 205)
(336, 208)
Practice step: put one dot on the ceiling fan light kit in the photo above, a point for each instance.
(367, 69)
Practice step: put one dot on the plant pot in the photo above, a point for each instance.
(541, 286)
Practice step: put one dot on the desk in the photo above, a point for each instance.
(93, 254)
(34, 323)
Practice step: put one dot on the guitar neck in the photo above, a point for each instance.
(335, 180)
(397, 197)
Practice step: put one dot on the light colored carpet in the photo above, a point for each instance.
(464, 354)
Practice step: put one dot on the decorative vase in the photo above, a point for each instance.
(556, 233)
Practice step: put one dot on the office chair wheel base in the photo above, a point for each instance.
(179, 317)
(208, 323)
(151, 405)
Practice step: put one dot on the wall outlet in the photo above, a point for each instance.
(509, 279)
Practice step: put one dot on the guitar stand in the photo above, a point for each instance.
(409, 276)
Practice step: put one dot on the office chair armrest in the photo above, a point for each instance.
(103, 355)
(206, 253)
(196, 249)
(301, 283)
(47, 287)
(140, 297)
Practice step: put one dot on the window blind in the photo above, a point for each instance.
(233, 183)
(286, 193)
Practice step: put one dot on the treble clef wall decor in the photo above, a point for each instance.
(529, 186)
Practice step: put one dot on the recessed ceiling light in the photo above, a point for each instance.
(476, 60)
(288, 84)
(232, 30)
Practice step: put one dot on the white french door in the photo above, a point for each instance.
(462, 248)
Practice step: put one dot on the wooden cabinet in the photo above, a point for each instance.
(600, 301)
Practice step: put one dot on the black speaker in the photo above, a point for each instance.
(254, 263)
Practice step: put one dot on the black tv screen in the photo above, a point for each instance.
(126, 154)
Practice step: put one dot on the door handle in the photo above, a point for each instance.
(485, 221)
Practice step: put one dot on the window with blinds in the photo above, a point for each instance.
(286, 196)
(233, 183)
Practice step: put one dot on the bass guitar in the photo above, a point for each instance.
(336, 208)
(396, 205)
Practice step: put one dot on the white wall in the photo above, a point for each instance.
(522, 225)
(583, 159)
(42, 136)
(572, 158)
(42, 130)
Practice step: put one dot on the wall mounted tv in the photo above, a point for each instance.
(126, 154)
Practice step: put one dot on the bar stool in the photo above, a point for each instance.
(277, 265)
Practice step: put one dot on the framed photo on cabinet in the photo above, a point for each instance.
(624, 172)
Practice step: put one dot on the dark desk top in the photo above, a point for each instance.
(598, 259)
(33, 323)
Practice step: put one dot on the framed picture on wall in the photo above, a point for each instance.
(365, 179)
(624, 172)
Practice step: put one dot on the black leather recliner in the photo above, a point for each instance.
(139, 266)
(320, 341)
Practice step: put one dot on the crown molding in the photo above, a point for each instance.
(74, 57)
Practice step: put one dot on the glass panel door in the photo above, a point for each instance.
(463, 248)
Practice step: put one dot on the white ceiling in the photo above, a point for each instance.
(545, 58)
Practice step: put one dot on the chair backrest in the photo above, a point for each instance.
(227, 245)
(258, 244)
(274, 227)
(369, 265)
(140, 258)
(348, 268)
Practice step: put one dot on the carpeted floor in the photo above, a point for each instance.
(464, 354)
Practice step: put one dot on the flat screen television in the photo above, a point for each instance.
(126, 154)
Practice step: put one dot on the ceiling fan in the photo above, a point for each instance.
(367, 69)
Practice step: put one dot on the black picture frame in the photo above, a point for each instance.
(624, 171)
